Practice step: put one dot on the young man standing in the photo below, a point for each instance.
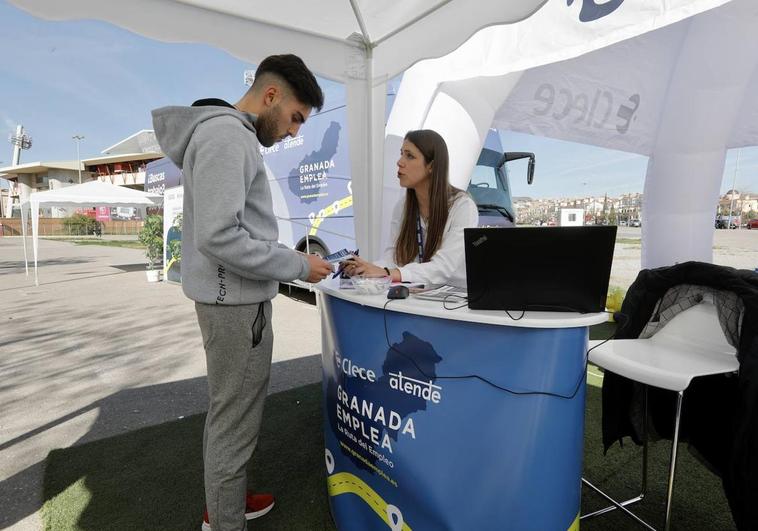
(232, 262)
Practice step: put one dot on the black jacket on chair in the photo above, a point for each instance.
(719, 413)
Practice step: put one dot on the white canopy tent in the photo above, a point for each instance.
(669, 79)
(682, 95)
(361, 43)
(90, 194)
(685, 93)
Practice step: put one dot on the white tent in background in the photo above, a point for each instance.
(90, 194)
(674, 80)
(361, 43)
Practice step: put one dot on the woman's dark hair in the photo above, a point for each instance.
(441, 196)
(292, 70)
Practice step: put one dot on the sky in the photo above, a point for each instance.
(90, 78)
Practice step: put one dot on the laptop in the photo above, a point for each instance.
(560, 269)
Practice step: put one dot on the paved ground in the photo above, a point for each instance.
(735, 248)
(96, 350)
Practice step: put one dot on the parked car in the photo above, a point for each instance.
(635, 223)
(752, 224)
(723, 222)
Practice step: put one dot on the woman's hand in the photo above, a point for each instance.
(359, 266)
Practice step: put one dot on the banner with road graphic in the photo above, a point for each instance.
(310, 183)
(415, 438)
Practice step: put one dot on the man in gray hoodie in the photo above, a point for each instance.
(232, 262)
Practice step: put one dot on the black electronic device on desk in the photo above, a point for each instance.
(398, 292)
(558, 269)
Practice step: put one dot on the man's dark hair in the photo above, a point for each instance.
(293, 71)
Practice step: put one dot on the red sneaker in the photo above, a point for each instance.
(256, 506)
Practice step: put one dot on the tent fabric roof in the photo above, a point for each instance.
(615, 96)
(332, 36)
(95, 193)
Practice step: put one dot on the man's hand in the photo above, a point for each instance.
(320, 269)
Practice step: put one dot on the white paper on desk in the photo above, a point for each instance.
(442, 293)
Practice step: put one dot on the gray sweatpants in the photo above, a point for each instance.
(238, 341)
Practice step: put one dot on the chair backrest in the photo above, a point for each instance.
(698, 329)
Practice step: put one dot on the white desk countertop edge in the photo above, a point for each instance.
(436, 309)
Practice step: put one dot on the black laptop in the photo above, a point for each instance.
(557, 269)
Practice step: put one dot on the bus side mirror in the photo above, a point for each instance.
(516, 155)
(530, 171)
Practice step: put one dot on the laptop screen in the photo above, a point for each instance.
(562, 269)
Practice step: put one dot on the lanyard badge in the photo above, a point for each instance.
(419, 239)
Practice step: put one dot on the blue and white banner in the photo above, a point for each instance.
(309, 176)
(417, 439)
(160, 175)
(173, 202)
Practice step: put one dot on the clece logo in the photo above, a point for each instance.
(352, 370)
(591, 10)
(599, 109)
(626, 113)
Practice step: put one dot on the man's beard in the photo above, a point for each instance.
(266, 127)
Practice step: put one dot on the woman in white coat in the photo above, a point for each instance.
(426, 231)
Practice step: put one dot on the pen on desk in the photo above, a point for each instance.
(339, 270)
(341, 267)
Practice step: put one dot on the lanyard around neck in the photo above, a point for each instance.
(419, 239)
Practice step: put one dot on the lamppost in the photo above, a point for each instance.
(734, 183)
(20, 141)
(77, 139)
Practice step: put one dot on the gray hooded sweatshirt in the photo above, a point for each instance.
(230, 249)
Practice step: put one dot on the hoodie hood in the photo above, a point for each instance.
(174, 126)
(230, 249)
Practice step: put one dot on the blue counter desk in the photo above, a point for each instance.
(451, 419)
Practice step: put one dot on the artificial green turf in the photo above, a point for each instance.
(699, 501)
(603, 330)
(151, 479)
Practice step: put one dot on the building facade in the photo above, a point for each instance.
(121, 164)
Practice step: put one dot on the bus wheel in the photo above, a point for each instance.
(316, 248)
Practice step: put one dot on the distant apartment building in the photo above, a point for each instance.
(739, 204)
(121, 164)
(629, 206)
(624, 208)
(530, 210)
